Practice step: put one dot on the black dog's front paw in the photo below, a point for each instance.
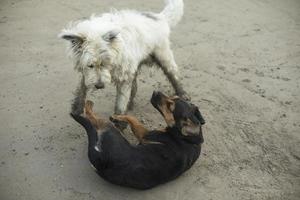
(121, 125)
(77, 108)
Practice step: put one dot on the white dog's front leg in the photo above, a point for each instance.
(122, 98)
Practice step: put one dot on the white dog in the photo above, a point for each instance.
(111, 47)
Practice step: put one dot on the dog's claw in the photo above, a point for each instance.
(130, 105)
(121, 125)
(89, 103)
(185, 96)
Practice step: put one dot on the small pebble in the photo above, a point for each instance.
(288, 102)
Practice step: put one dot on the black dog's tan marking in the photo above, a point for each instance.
(136, 126)
(164, 156)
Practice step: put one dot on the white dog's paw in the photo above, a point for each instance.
(185, 96)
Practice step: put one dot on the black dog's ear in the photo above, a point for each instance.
(199, 116)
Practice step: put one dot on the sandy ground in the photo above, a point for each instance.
(239, 60)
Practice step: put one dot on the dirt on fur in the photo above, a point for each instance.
(239, 61)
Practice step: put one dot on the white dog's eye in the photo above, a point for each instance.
(91, 66)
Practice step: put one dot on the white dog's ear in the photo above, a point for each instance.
(110, 35)
(76, 40)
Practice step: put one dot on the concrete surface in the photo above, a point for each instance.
(240, 61)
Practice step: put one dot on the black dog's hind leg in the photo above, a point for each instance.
(98, 122)
(136, 126)
(78, 103)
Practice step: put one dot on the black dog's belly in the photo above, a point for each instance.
(144, 166)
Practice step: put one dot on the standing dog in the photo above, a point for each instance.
(161, 155)
(113, 46)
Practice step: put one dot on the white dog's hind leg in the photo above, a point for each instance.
(164, 58)
(122, 97)
(133, 93)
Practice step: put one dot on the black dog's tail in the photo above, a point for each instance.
(90, 129)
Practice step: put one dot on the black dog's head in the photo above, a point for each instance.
(179, 113)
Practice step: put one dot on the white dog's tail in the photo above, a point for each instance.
(173, 11)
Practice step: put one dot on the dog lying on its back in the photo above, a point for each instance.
(160, 156)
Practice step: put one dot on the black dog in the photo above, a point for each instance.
(161, 155)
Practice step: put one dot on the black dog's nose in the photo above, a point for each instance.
(154, 93)
(155, 96)
(99, 85)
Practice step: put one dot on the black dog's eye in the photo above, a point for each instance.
(91, 66)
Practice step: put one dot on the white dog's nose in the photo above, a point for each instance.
(100, 85)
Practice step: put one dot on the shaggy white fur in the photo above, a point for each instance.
(112, 46)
